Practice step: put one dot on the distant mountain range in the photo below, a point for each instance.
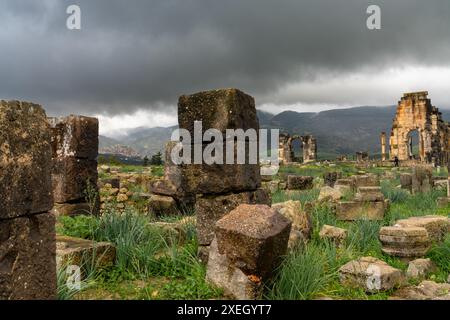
(338, 132)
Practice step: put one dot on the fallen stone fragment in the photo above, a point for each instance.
(335, 234)
(82, 253)
(299, 182)
(162, 205)
(420, 268)
(370, 274)
(436, 226)
(405, 242)
(301, 220)
(426, 290)
(254, 238)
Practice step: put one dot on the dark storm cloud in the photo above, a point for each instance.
(143, 54)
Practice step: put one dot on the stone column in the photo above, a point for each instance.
(220, 188)
(383, 146)
(27, 229)
(74, 152)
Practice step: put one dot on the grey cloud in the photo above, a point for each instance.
(144, 54)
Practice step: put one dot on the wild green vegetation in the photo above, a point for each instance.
(152, 263)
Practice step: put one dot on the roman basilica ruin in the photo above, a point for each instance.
(286, 153)
(416, 114)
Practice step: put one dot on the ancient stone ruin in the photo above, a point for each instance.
(362, 156)
(27, 228)
(286, 153)
(415, 113)
(74, 143)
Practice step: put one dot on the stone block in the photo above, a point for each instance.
(74, 136)
(330, 178)
(254, 238)
(25, 160)
(211, 208)
(300, 182)
(218, 109)
(370, 274)
(436, 226)
(406, 181)
(422, 179)
(162, 205)
(404, 242)
(366, 181)
(369, 194)
(224, 274)
(82, 253)
(354, 210)
(301, 220)
(27, 258)
(70, 178)
(334, 234)
(420, 268)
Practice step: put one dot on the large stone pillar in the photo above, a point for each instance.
(27, 229)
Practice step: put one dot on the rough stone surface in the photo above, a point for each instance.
(370, 274)
(422, 179)
(254, 238)
(405, 242)
(25, 160)
(406, 181)
(236, 284)
(27, 258)
(74, 136)
(79, 252)
(365, 181)
(420, 268)
(299, 182)
(330, 178)
(162, 205)
(436, 226)
(426, 290)
(369, 194)
(330, 194)
(70, 178)
(301, 220)
(211, 208)
(219, 109)
(354, 210)
(335, 234)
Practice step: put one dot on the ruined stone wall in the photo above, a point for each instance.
(286, 152)
(27, 228)
(74, 143)
(415, 112)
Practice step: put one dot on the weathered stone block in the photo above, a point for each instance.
(254, 238)
(82, 253)
(345, 182)
(27, 258)
(218, 109)
(366, 181)
(74, 136)
(405, 242)
(70, 178)
(436, 226)
(301, 220)
(370, 274)
(406, 181)
(162, 205)
(335, 234)
(420, 268)
(300, 182)
(330, 178)
(113, 182)
(25, 160)
(329, 194)
(224, 274)
(369, 194)
(354, 210)
(211, 208)
(422, 179)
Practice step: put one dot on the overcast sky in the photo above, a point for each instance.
(132, 59)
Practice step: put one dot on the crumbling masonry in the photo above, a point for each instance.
(416, 113)
(286, 152)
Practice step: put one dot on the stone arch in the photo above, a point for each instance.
(286, 153)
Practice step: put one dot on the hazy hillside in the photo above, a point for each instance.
(341, 131)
